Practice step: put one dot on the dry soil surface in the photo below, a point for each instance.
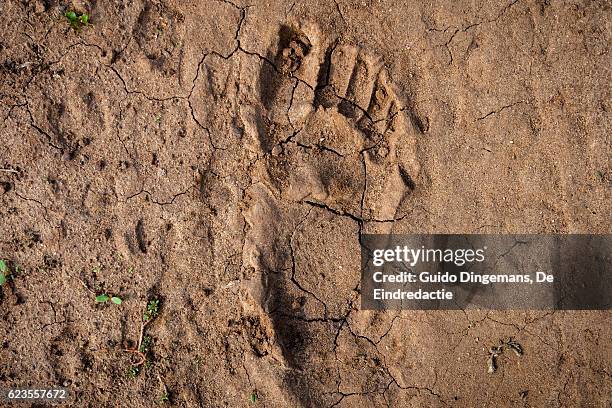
(225, 157)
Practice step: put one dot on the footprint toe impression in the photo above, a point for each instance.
(339, 128)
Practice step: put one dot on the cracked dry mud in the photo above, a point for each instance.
(225, 157)
(338, 170)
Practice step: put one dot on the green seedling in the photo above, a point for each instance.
(147, 342)
(133, 372)
(3, 272)
(77, 20)
(105, 298)
(72, 17)
(152, 310)
(253, 397)
(601, 175)
(143, 349)
(164, 398)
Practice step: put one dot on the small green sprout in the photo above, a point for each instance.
(77, 20)
(253, 397)
(72, 17)
(133, 372)
(3, 272)
(105, 298)
(601, 175)
(147, 342)
(164, 398)
(152, 310)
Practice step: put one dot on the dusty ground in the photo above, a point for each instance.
(224, 157)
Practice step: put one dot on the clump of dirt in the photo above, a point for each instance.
(291, 56)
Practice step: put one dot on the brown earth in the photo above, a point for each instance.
(224, 158)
